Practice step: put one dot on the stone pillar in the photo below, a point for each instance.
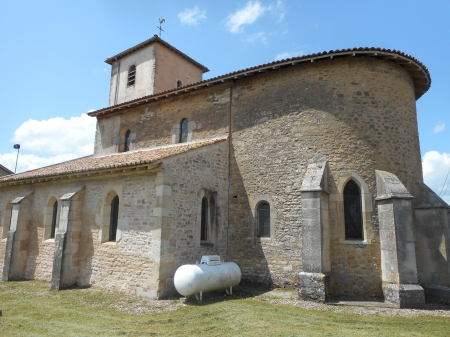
(432, 220)
(397, 240)
(162, 211)
(67, 241)
(314, 278)
(17, 239)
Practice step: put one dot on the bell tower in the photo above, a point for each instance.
(148, 68)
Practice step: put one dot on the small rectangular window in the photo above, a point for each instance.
(131, 76)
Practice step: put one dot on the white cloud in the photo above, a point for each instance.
(191, 16)
(245, 16)
(435, 167)
(51, 141)
(287, 55)
(439, 127)
(280, 10)
(28, 162)
(260, 36)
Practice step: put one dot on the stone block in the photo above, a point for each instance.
(404, 295)
(313, 287)
(436, 294)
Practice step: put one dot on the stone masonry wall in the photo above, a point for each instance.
(125, 265)
(358, 114)
(207, 111)
(198, 171)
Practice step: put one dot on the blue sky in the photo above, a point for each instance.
(53, 52)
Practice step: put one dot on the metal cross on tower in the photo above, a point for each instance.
(161, 21)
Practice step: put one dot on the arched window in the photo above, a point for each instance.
(184, 131)
(113, 218)
(127, 141)
(263, 219)
(353, 211)
(179, 84)
(204, 220)
(131, 76)
(55, 212)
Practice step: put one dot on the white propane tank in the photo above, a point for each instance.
(196, 278)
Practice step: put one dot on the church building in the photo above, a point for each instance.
(306, 172)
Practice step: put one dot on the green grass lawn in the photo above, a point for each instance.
(31, 309)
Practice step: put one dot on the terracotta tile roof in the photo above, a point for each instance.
(421, 75)
(155, 38)
(114, 161)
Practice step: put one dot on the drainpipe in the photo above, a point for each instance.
(229, 165)
(117, 81)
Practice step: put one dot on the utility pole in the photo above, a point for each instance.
(17, 146)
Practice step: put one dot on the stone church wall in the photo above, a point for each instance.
(199, 173)
(152, 124)
(124, 265)
(357, 114)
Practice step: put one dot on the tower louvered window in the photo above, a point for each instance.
(131, 76)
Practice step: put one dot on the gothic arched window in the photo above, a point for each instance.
(131, 76)
(204, 220)
(113, 218)
(263, 219)
(184, 131)
(353, 211)
(55, 212)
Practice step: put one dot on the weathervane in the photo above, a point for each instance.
(161, 21)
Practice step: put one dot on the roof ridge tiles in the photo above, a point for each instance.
(299, 58)
(156, 38)
(90, 163)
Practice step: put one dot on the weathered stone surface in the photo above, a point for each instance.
(404, 295)
(313, 286)
(353, 113)
(436, 294)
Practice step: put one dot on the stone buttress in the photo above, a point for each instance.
(315, 276)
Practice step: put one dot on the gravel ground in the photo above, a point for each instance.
(140, 305)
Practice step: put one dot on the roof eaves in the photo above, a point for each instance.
(155, 38)
(26, 177)
(399, 57)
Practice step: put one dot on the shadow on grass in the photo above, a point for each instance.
(242, 291)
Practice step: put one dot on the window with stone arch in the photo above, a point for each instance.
(208, 218)
(204, 220)
(51, 218)
(353, 211)
(54, 218)
(111, 214)
(131, 76)
(263, 219)
(113, 219)
(125, 139)
(184, 130)
(179, 84)
(7, 220)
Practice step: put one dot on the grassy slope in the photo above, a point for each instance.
(31, 309)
